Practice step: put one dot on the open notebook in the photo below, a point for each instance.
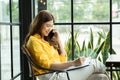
(85, 64)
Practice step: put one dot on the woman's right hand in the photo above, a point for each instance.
(79, 61)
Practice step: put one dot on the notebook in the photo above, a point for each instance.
(85, 64)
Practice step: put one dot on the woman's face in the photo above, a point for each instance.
(46, 28)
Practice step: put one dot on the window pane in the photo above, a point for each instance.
(84, 37)
(91, 10)
(5, 52)
(4, 11)
(15, 11)
(16, 50)
(116, 10)
(84, 32)
(36, 7)
(116, 38)
(61, 9)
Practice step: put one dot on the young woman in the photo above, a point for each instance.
(49, 53)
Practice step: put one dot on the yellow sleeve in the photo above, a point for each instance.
(63, 58)
(39, 55)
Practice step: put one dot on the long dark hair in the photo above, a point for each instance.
(42, 17)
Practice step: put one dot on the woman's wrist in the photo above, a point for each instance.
(60, 48)
(77, 62)
(72, 63)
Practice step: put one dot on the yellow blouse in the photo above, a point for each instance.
(43, 53)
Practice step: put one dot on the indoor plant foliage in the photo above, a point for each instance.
(101, 50)
(68, 46)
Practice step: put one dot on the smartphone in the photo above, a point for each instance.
(51, 34)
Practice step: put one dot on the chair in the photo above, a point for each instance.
(31, 63)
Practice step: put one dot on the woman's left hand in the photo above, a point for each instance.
(56, 35)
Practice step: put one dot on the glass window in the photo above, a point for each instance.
(15, 11)
(5, 52)
(61, 9)
(36, 6)
(87, 38)
(16, 50)
(83, 11)
(91, 10)
(116, 10)
(116, 38)
(5, 45)
(4, 11)
(9, 39)
(84, 32)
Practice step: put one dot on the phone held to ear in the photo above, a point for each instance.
(51, 34)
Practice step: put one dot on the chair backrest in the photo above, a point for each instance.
(29, 61)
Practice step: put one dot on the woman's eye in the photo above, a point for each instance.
(48, 25)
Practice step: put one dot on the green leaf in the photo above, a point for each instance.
(106, 47)
(91, 38)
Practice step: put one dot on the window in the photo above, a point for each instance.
(9, 39)
(115, 10)
(116, 25)
(79, 16)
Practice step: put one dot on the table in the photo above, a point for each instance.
(113, 61)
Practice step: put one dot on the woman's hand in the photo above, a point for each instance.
(56, 37)
(79, 61)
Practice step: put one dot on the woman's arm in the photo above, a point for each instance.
(56, 38)
(62, 52)
(62, 65)
(61, 49)
(76, 62)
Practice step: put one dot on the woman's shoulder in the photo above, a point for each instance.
(33, 40)
(35, 36)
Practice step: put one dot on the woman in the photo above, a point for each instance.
(48, 51)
